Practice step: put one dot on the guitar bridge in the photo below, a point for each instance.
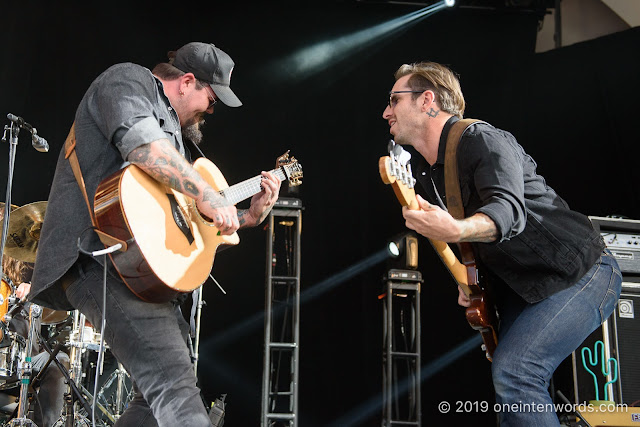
(179, 218)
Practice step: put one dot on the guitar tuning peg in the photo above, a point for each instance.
(404, 157)
(390, 145)
(282, 159)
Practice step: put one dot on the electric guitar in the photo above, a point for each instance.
(481, 315)
(169, 246)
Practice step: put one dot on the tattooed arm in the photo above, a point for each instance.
(435, 223)
(164, 163)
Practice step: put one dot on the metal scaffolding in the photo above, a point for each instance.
(282, 316)
(401, 349)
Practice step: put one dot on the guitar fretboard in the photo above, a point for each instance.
(247, 188)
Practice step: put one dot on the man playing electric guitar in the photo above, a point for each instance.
(552, 278)
(132, 114)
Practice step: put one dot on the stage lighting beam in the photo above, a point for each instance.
(314, 59)
(319, 289)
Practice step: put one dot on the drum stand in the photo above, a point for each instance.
(68, 416)
(72, 416)
(25, 372)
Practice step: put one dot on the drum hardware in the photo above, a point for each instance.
(83, 338)
(25, 372)
(77, 399)
(11, 354)
(68, 417)
(123, 392)
(72, 414)
(16, 305)
(12, 344)
(114, 394)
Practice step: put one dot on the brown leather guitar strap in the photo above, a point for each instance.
(451, 181)
(70, 154)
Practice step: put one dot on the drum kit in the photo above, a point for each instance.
(66, 331)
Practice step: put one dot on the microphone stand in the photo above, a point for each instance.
(196, 347)
(38, 143)
(13, 143)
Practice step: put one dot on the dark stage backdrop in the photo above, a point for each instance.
(572, 109)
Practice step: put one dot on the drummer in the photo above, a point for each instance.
(50, 396)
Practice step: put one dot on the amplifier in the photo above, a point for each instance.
(626, 331)
(621, 337)
(288, 202)
(622, 237)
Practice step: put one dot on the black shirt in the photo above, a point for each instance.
(543, 246)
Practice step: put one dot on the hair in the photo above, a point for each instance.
(166, 71)
(17, 271)
(438, 78)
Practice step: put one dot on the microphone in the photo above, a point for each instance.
(38, 142)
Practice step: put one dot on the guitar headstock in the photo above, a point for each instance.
(395, 169)
(292, 169)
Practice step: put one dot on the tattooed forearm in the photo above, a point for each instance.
(214, 199)
(478, 228)
(165, 164)
(242, 217)
(191, 187)
(246, 219)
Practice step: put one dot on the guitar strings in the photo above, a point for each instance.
(248, 187)
(237, 193)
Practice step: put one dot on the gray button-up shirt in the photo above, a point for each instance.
(124, 108)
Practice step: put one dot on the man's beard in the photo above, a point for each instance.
(193, 133)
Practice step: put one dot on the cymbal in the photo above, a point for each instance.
(53, 317)
(2, 204)
(24, 231)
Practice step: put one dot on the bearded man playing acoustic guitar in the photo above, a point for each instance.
(131, 114)
(552, 278)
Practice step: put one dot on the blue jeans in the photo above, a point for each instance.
(535, 338)
(149, 340)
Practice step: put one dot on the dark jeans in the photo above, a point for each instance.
(149, 340)
(535, 338)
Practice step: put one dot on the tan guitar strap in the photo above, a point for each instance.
(451, 180)
(70, 154)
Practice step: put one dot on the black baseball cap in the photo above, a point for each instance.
(211, 65)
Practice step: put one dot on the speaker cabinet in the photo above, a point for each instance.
(621, 337)
(627, 334)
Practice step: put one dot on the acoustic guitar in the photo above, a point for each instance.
(395, 170)
(169, 246)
